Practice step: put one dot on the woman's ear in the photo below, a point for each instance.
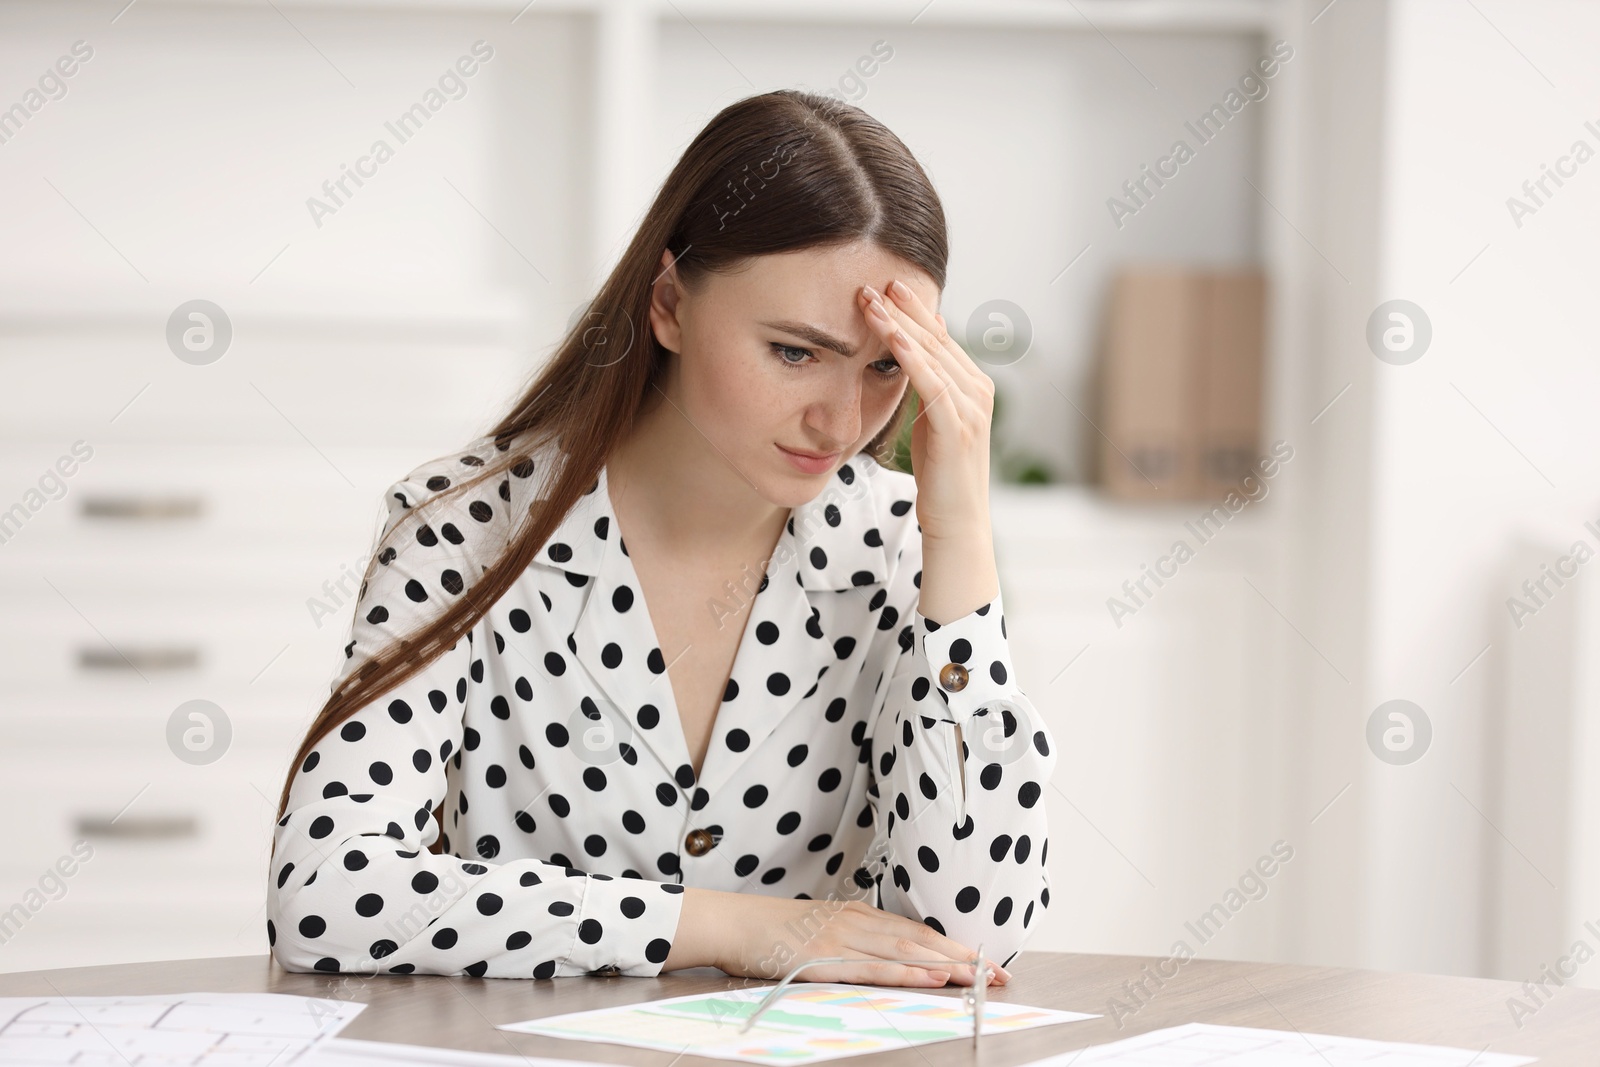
(665, 295)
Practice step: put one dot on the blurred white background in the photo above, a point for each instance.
(202, 547)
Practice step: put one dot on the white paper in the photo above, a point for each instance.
(810, 1022)
(171, 1030)
(1206, 1045)
(346, 1052)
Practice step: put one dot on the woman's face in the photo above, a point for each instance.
(757, 371)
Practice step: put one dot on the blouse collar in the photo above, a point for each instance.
(833, 539)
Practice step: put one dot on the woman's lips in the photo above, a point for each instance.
(808, 463)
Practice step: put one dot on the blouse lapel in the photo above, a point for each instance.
(615, 639)
(829, 548)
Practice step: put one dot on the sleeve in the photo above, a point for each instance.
(352, 885)
(960, 829)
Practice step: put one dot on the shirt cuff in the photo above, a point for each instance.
(626, 925)
(969, 659)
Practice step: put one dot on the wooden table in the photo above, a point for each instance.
(1469, 1013)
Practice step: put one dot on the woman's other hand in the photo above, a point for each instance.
(751, 935)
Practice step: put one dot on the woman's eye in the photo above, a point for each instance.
(888, 367)
(782, 353)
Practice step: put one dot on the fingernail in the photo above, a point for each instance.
(876, 307)
(872, 294)
(939, 976)
(899, 288)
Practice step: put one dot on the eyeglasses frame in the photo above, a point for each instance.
(972, 997)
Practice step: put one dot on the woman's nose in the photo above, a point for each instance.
(837, 414)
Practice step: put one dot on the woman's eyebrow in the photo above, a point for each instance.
(815, 336)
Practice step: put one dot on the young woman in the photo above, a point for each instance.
(670, 669)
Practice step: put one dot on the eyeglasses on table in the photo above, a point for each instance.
(972, 997)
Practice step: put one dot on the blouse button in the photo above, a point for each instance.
(698, 842)
(953, 677)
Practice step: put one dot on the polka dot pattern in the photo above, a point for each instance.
(525, 805)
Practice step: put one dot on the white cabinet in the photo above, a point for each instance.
(208, 548)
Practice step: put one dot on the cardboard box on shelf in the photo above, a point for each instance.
(1181, 382)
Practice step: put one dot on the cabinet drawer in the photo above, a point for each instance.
(274, 571)
(73, 634)
(150, 820)
(80, 930)
(127, 497)
(133, 501)
(131, 720)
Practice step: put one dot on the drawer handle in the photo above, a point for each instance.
(138, 828)
(176, 658)
(142, 508)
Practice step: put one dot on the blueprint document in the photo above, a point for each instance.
(168, 1030)
(343, 1052)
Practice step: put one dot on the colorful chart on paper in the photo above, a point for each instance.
(810, 1022)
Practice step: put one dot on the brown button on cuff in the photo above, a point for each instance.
(698, 842)
(953, 677)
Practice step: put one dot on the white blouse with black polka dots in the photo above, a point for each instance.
(550, 742)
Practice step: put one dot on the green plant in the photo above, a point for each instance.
(1013, 465)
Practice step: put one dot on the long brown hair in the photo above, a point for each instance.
(771, 173)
